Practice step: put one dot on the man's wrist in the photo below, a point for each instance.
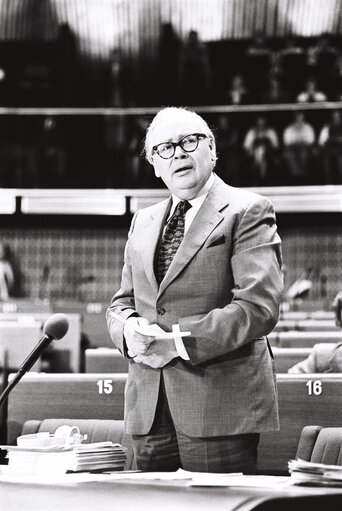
(180, 348)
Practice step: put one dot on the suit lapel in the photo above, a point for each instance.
(206, 220)
(150, 233)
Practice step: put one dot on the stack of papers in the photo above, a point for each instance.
(315, 474)
(63, 459)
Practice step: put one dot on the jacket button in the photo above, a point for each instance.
(161, 311)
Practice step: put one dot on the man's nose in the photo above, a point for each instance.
(180, 153)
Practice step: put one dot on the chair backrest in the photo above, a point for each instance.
(80, 396)
(303, 399)
(105, 360)
(306, 325)
(284, 358)
(97, 430)
(320, 445)
(295, 339)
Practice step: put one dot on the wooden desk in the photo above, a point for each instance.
(129, 496)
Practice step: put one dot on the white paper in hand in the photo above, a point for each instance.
(157, 332)
(153, 330)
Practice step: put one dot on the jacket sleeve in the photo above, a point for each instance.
(258, 284)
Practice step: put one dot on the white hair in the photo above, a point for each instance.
(174, 112)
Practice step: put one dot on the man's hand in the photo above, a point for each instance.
(137, 344)
(158, 354)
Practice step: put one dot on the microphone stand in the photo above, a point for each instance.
(26, 366)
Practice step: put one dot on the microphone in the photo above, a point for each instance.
(54, 329)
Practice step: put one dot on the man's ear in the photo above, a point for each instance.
(212, 153)
(157, 174)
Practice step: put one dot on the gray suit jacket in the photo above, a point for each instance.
(224, 285)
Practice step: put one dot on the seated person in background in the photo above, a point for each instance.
(298, 140)
(229, 148)
(290, 64)
(238, 93)
(6, 272)
(311, 94)
(330, 140)
(334, 77)
(275, 93)
(325, 357)
(337, 306)
(260, 143)
(321, 57)
(194, 71)
(257, 63)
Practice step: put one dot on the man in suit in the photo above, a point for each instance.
(207, 262)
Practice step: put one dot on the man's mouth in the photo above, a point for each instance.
(182, 169)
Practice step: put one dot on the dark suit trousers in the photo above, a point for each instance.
(166, 449)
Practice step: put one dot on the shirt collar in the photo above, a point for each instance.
(200, 196)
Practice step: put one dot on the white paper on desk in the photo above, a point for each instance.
(179, 475)
(259, 481)
(53, 479)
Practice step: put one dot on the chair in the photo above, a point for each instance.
(97, 430)
(105, 360)
(320, 445)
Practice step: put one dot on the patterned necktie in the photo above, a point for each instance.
(172, 238)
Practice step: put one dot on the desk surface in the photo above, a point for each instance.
(132, 496)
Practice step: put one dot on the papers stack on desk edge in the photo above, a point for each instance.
(62, 459)
(315, 474)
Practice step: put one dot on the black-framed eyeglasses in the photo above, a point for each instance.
(189, 143)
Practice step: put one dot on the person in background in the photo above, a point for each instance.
(311, 94)
(321, 57)
(290, 65)
(298, 141)
(275, 93)
(6, 272)
(237, 93)
(324, 357)
(194, 71)
(330, 140)
(228, 145)
(200, 290)
(258, 60)
(260, 144)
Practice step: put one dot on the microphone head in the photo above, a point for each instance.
(56, 326)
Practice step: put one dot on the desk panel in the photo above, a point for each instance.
(301, 403)
(115, 496)
(73, 396)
